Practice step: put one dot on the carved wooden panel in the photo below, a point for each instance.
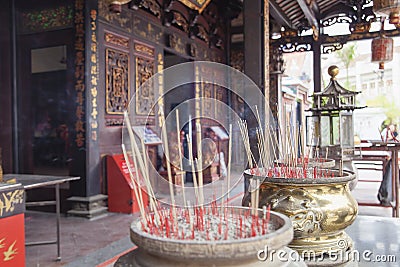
(144, 49)
(220, 96)
(147, 30)
(179, 21)
(117, 81)
(116, 40)
(122, 20)
(47, 19)
(151, 6)
(208, 103)
(177, 43)
(144, 91)
(199, 5)
(203, 34)
(237, 59)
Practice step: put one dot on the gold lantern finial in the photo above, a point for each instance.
(333, 71)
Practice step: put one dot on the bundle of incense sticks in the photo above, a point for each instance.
(281, 155)
(287, 172)
(208, 223)
(278, 146)
(138, 165)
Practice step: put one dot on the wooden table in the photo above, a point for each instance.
(31, 181)
(393, 148)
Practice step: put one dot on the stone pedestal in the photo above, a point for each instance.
(92, 207)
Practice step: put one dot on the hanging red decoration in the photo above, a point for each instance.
(382, 50)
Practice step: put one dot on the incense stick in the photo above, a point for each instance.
(178, 133)
(135, 190)
(196, 192)
(137, 177)
(152, 197)
(166, 151)
(200, 162)
(245, 137)
(229, 161)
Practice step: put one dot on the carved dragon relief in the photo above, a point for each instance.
(305, 212)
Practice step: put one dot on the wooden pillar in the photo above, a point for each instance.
(256, 64)
(253, 62)
(317, 65)
(266, 60)
(253, 40)
(7, 53)
(86, 200)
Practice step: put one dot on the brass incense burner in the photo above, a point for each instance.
(319, 208)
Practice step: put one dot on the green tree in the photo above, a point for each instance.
(347, 55)
(392, 110)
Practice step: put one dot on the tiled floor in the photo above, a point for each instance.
(79, 239)
(89, 243)
(99, 242)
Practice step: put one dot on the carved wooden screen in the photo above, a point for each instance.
(117, 73)
(117, 81)
(145, 68)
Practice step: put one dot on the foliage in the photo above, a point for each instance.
(392, 111)
(347, 55)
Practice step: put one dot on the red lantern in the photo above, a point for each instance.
(382, 50)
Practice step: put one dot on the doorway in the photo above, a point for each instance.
(45, 102)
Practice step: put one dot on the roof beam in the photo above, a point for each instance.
(277, 13)
(310, 15)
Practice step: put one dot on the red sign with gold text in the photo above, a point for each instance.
(12, 228)
(12, 241)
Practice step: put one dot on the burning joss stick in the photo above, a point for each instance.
(178, 134)
(229, 161)
(165, 141)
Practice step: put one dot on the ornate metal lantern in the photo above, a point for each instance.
(330, 128)
(388, 8)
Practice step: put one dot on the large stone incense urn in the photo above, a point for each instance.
(320, 207)
(176, 252)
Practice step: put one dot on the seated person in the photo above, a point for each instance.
(388, 133)
(385, 190)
